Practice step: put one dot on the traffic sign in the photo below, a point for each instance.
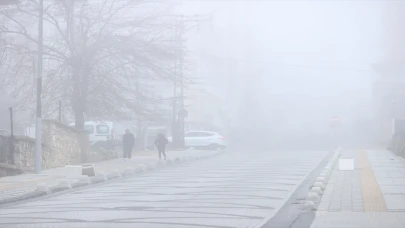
(335, 122)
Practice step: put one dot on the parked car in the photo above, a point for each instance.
(204, 139)
(111, 144)
(99, 131)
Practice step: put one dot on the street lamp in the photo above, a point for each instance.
(38, 124)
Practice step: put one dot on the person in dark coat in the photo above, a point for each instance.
(161, 142)
(128, 142)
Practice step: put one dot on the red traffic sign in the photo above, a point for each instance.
(335, 121)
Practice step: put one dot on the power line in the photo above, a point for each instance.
(289, 65)
(278, 0)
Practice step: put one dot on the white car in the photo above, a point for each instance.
(207, 139)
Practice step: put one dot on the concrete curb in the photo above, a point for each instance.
(128, 171)
(43, 188)
(62, 186)
(82, 182)
(98, 178)
(29, 195)
(316, 191)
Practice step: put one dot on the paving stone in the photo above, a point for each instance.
(395, 202)
(398, 181)
(359, 220)
(383, 184)
(233, 190)
(14, 186)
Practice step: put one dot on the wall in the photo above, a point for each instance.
(60, 146)
(391, 68)
(5, 103)
(385, 109)
(62, 142)
(5, 154)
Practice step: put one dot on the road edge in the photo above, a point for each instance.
(295, 200)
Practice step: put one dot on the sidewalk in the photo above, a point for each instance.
(14, 186)
(371, 196)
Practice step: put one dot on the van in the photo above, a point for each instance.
(99, 130)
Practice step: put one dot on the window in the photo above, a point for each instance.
(89, 129)
(103, 130)
(205, 134)
(198, 134)
(192, 134)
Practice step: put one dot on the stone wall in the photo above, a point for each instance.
(5, 153)
(24, 151)
(61, 145)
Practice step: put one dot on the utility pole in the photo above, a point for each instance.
(38, 125)
(60, 111)
(140, 121)
(178, 87)
(248, 73)
(179, 112)
(11, 135)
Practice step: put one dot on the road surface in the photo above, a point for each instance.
(230, 190)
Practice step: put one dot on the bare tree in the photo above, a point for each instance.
(95, 54)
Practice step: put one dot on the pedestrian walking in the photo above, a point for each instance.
(128, 142)
(161, 142)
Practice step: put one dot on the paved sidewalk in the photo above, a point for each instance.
(14, 186)
(371, 196)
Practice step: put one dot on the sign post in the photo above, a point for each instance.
(335, 123)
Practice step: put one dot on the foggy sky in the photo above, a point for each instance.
(308, 59)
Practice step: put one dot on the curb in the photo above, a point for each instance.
(43, 189)
(316, 191)
(62, 186)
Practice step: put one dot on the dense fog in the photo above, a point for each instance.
(287, 68)
(283, 70)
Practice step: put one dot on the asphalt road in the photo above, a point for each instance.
(231, 190)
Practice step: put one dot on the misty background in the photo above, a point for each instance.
(301, 63)
(276, 72)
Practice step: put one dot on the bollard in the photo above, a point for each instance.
(320, 185)
(321, 179)
(43, 188)
(313, 196)
(317, 190)
(64, 184)
(309, 206)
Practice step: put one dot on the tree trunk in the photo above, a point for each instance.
(80, 86)
(79, 119)
(140, 134)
